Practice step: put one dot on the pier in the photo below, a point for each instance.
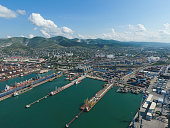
(134, 118)
(93, 101)
(37, 101)
(67, 85)
(96, 78)
(27, 87)
(76, 117)
(55, 92)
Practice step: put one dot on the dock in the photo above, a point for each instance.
(56, 91)
(97, 78)
(67, 85)
(27, 87)
(93, 101)
(37, 101)
(76, 117)
(134, 118)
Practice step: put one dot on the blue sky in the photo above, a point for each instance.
(125, 20)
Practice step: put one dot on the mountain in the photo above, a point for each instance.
(61, 42)
(16, 47)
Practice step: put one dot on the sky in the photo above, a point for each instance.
(123, 20)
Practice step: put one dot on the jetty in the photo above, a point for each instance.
(89, 104)
(97, 78)
(67, 85)
(26, 86)
(55, 92)
(37, 101)
(93, 101)
(76, 117)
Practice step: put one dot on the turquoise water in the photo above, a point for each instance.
(112, 111)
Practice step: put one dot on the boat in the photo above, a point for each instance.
(23, 85)
(77, 82)
(15, 94)
(51, 93)
(7, 88)
(21, 75)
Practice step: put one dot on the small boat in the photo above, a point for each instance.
(77, 82)
(15, 94)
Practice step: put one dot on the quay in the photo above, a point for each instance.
(93, 101)
(37, 101)
(97, 78)
(18, 74)
(67, 86)
(76, 117)
(133, 120)
(26, 86)
(62, 88)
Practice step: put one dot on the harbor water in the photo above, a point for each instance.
(112, 111)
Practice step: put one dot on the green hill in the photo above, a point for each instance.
(61, 42)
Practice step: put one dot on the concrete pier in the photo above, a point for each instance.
(55, 92)
(93, 101)
(97, 78)
(37, 101)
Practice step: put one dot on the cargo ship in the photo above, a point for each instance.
(9, 91)
(17, 85)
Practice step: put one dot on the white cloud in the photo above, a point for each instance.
(22, 12)
(9, 36)
(7, 13)
(35, 28)
(165, 30)
(141, 28)
(45, 33)
(129, 32)
(22, 36)
(38, 20)
(80, 36)
(67, 30)
(48, 28)
(137, 28)
(31, 35)
(139, 33)
(166, 26)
